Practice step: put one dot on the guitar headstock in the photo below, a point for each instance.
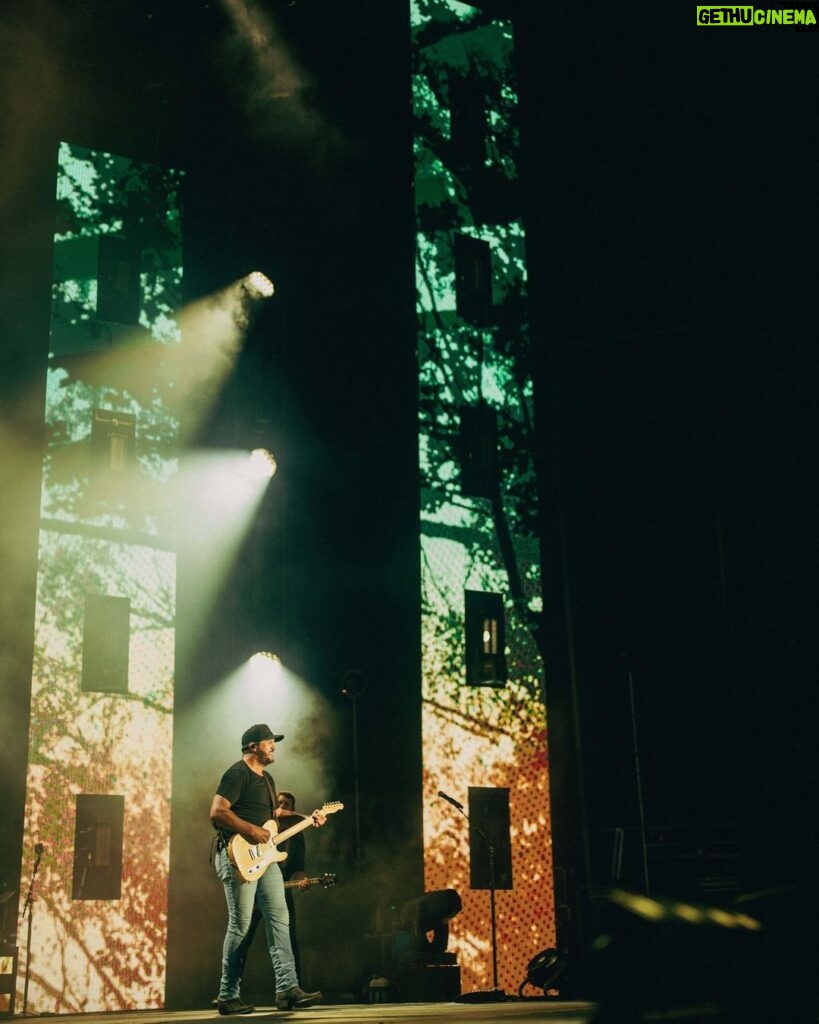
(326, 880)
(331, 808)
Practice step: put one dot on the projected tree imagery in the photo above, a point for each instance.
(478, 490)
(99, 774)
(98, 787)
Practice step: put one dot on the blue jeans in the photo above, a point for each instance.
(268, 893)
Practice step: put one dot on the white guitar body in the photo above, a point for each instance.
(251, 860)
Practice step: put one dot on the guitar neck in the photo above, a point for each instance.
(294, 883)
(288, 833)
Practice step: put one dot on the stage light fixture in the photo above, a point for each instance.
(263, 462)
(264, 670)
(263, 657)
(545, 971)
(431, 912)
(258, 285)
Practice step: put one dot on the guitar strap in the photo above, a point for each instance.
(271, 792)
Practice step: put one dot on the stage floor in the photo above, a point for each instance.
(515, 1011)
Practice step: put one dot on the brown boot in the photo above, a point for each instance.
(296, 998)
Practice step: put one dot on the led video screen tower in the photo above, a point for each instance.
(99, 767)
(484, 715)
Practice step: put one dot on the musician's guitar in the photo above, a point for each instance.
(325, 880)
(251, 860)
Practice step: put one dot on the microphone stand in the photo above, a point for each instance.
(355, 685)
(638, 777)
(27, 909)
(495, 994)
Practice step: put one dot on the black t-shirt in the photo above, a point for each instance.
(247, 793)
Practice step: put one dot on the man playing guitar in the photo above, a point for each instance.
(245, 799)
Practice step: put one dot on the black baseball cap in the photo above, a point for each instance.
(257, 733)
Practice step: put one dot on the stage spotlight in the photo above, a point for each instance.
(431, 912)
(264, 658)
(263, 462)
(265, 668)
(544, 971)
(258, 285)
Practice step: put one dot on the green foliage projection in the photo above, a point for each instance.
(466, 141)
(103, 531)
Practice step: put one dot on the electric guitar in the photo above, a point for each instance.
(325, 880)
(251, 860)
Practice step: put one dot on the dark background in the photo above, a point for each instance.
(670, 201)
(672, 224)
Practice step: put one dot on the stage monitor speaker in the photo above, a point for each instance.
(467, 121)
(98, 847)
(477, 451)
(119, 293)
(485, 636)
(489, 823)
(113, 437)
(428, 983)
(473, 279)
(105, 644)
